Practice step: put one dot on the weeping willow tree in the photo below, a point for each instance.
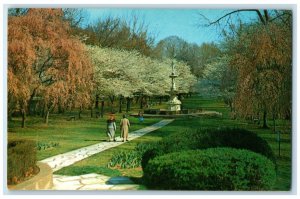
(262, 55)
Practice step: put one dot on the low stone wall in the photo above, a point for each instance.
(205, 114)
(42, 181)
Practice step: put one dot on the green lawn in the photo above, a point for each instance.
(75, 134)
(97, 162)
(69, 135)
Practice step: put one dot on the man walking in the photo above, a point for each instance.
(124, 125)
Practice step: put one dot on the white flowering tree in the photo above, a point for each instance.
(122, 74)
(186, 80)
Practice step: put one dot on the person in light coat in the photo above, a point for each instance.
(124, 126)
(111, 128)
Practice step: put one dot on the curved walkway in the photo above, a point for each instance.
(94, 181)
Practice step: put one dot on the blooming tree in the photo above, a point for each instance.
(45, 61)
(123, 73)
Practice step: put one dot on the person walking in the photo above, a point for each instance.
(111, 128)
(140, 116)
(124, 126)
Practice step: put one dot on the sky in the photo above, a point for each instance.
(184, 23)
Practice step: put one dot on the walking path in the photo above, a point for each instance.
(94, 181)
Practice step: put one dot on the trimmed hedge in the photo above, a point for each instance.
(209, 138)
(21, 160)
(210, 169)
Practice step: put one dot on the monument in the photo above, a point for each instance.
(174, 103)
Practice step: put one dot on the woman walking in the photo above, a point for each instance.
(124, 125)
(111, 128)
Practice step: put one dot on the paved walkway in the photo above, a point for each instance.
(94, 181)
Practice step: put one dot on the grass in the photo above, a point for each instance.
(76, 134)
(102, 159)
(68, 135)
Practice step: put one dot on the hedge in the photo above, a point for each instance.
(21, 160)
(210, 169)
(209, 138)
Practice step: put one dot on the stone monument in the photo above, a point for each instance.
(174, 103)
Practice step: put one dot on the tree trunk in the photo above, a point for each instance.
(97, 102)
(167, 98)
(141, 102)
(120, 104)
(91, 111)
(30, 102)
(23, 117)
(112, 99)
(146, 102)
(47, 117)
(30, 105)
(288, 114)
(102, 108)
(160, 100)
(43, 111)
(128, 100)
(231, 105)
(137, 100)
(61, 109)
(265, 120)
(274, 123)
(79, 113)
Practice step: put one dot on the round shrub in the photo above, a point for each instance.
(243, 139)
(175, 142)
(21, 160)
(210, 138)
(210, 169)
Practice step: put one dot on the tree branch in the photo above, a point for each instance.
(260, 17)
(236, 11)
(40, 72)
(48, 81)
(266, 16)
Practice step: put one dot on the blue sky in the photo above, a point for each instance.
(162, 22)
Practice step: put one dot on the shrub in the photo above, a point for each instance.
(209, 138)
(43, 146)
(244, 139)
(21, 160)
(210, 169)
(125, 159)
(129, 159)
(172, 143)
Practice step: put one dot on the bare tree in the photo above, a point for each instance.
(264, 16)
(261, 53)
(75, 16)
